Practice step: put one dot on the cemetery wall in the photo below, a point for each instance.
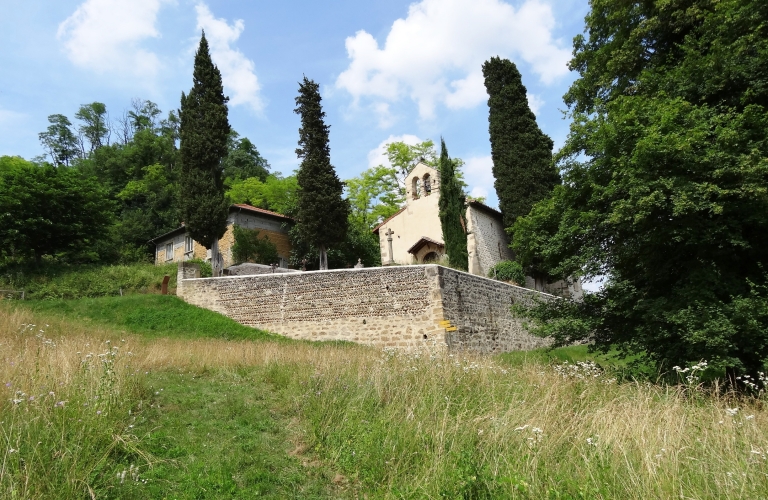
(398, 306)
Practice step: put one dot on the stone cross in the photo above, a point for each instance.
(389, 234)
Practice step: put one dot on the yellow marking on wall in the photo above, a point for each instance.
(451, 329)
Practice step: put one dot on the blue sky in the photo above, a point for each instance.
(388, 70)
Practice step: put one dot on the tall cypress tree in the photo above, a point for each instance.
(452, 211)
(321, 212)
(521, 152)
(203, 131)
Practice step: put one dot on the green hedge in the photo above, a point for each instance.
(74, 282)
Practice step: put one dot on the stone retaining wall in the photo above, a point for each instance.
(399, 306)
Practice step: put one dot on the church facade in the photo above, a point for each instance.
(414, 235)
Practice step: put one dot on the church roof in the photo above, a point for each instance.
(485, 207)
(423, 241)
(376, 229)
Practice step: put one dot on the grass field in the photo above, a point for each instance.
(125, 407)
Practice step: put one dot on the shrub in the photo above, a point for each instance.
(249, 247)
(508, 270)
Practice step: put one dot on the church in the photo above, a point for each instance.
(414, 235)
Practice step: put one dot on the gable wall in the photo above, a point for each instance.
(487, 242)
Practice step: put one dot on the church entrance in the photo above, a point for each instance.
(431, 257)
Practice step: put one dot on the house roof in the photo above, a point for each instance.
(249, 208)
(237, 207)
(483, 206)
(376, 229)
(423, 241)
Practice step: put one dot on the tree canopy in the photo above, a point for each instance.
(665, 188)
(48, 211)
(452, 212)
(521, 152)
(204, 131)
(321, 211)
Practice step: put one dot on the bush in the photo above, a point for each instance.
(508, 270)
(206, 271)
(59, 281)
(249, 247)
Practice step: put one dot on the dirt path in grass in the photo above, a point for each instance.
(226, 434)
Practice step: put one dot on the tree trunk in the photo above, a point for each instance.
(323, 259)
(216, 260)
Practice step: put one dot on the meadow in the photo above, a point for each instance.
(100, 405)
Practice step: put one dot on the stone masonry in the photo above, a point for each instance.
(399, 306)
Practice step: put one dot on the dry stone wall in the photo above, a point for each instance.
(480, 309)
(399, 306)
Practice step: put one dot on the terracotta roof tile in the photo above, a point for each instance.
(259, 210)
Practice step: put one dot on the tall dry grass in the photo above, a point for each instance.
(418, 425)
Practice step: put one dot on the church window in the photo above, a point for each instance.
(416, 188)
(427, 185)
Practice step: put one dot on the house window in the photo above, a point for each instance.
(169, 251)
(189, 244)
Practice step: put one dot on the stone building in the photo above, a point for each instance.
(414, 235)
(178, 246)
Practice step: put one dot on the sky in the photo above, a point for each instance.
(388, 70)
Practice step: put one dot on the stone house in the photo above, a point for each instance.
(178, 246)
(414, 235)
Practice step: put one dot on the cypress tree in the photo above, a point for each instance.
(321, 212)
(521, 152)
(203, 132)
(452, 212)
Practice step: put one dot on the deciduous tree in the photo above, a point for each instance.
(50, 211)
(666, 185)
(59, 141)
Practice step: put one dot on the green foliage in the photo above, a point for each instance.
(508, 270)
(373, 196)
(321, 213)
(61, 281)
(206, 271)
(249, 247)
(95, 128)
(521, 152)
(204, 132)
(59, 141)
(243, 160)
(50, 211)
(452, 212)
(276, 193)
(666, 169)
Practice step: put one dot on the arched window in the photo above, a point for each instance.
(416, 187)
(427, 185)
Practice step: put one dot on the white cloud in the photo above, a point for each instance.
(478, 174)
(105, 36)
(535, 103)
(377, 156)
(434, 55)
(237, 71)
